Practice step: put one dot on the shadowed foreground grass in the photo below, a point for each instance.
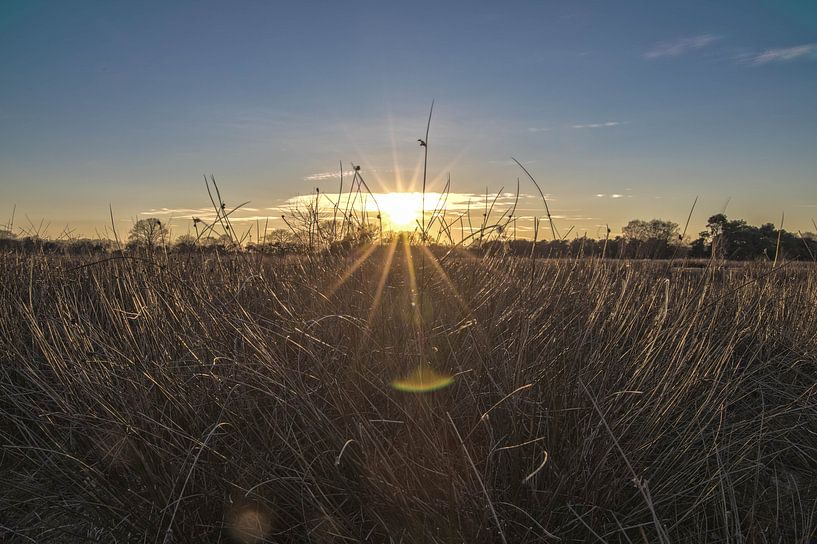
(229, 399)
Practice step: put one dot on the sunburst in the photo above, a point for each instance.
(401, 210)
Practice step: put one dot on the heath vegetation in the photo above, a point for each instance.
(196, 397)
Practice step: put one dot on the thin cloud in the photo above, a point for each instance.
(538, 129)
(320, 176)
(250, 218)
(176, 211)
(599, 125)
(680, 47)
(202, 212)
(784, 54)
(613, 195)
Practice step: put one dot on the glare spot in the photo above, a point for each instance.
(250, 524)
(422, 380)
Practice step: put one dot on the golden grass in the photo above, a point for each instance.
(193, 398)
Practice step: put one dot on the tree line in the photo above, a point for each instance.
(724, 238)
(658, 239)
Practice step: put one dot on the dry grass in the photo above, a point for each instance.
(230, 399)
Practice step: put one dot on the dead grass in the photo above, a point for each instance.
(218, 399)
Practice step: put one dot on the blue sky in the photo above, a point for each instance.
(130, 103)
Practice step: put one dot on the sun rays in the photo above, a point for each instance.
(414, 276)
(403, 211)
(381, 283)
(351, 270)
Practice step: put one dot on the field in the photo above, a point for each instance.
(240, 398)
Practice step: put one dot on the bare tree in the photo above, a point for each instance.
(148, 233)
(279, 236)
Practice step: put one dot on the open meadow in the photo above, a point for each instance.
(472, 272)
(395, 394)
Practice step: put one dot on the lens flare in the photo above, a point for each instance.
(423, 379)
(250, 524)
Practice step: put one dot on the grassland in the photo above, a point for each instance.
(249, 399)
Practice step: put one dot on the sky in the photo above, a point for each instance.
(620, 110)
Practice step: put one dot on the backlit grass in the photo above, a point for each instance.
(248, 399)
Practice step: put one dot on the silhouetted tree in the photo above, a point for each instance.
(185, 243)
(85, 246)
(148, 234)
(279, 236)
(654, 239)
(736, 240)
(656, 229)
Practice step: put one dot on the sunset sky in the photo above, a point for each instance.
(620, 109)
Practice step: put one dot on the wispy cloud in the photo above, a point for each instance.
(680, 47)
(538, 129)
(599, 125)
(783, 54)
(176, 211)
(320, 176)
(248, 218)
(188, 211)
(613, 195)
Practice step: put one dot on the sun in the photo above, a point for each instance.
(401, 210)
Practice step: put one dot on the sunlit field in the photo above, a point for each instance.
(396, 393)
(480, 272)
